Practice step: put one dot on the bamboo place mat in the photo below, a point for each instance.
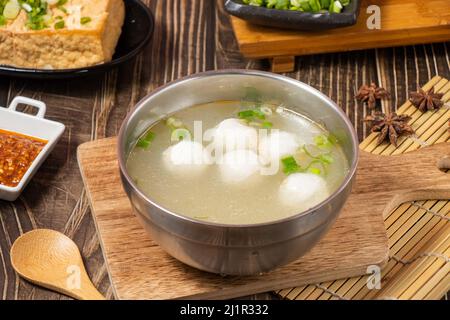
(419, 231)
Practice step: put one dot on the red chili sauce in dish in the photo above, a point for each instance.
(17, 153)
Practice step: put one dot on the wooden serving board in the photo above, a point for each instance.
(403, 22)
(139, 269)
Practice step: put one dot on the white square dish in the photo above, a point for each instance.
(29, 125)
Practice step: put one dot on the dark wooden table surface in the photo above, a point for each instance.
(191, 36)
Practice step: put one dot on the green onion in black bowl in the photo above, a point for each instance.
(296, 14)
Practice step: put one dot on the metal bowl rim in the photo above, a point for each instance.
(142, 103)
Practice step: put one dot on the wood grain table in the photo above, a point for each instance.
(191, 36)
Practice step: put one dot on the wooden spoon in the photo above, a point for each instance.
(50, 259)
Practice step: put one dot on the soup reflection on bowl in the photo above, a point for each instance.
(237, 172)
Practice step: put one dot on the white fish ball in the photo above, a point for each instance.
(186, 154)
(277, 145)
(305, 188)
(232, 134)
(238, 165)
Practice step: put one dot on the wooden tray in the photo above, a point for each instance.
(139, 269)
(403, 22)
(419, 231)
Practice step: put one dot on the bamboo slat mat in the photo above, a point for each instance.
(419, 231)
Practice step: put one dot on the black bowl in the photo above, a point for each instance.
(297, 20)
(136, 33)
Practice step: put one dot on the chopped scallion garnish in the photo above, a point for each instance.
(60, 25)
(326, 158)
(145, 141)
(181, 134)
(313, 6)
(179, 130)
(315, 171)
(267, 125)
(246, 114)
(257, 117)
(290, 165)
(325, 141)
(259, 114)
(85, 20)
(252, 114)
(266, 111)
(174, 123)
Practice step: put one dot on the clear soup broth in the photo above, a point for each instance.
(237, 163)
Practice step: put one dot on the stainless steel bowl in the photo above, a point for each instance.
(236, 249)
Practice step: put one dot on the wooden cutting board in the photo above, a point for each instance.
(403, 22)
(139, 269)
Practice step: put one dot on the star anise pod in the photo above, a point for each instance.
(371, 94)
(390, 126)
(426, 100)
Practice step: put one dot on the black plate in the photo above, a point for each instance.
(136, 33)
(297, 20)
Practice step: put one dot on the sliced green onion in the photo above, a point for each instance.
(174, 123)
(325, 141)
(181, 134)
(27, 7)
(304, 5)
(267, 125)
(179, 130)
(259, 114)
(11, 10)
(63, 9)
(145, 141)
(335, 7)
(306, 151)
(266, 110)
(282, 4)
(320, 140)
(257, 117)
(325, 3)
(323, 159)
(271, 3)
(290, 165)
(315, 171)
(326, 158)
(246, 114)
(252, 114)
(60, 25)
(315, 5)
(85, 20)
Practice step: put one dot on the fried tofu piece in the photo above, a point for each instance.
(89, 36)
